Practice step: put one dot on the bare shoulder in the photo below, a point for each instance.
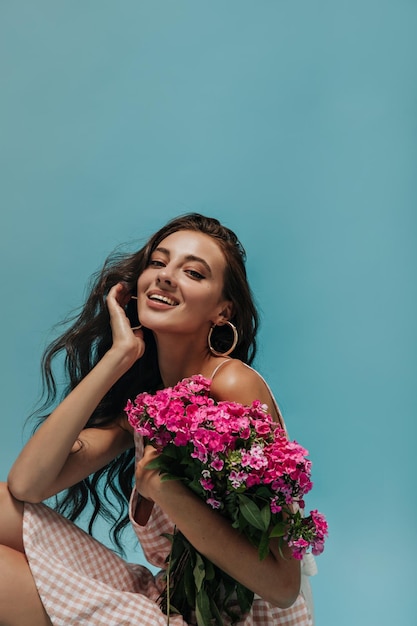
(239, 383)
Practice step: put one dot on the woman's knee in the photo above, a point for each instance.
(11, 518)
(20, 604)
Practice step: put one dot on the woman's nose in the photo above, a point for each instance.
(165, 276)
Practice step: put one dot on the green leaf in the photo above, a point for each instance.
(210, 573)
(251, 513)
(156, 463)
(266, 515)
(278, 530)
(189, 460)
(189, 584)
(202, 609)
(195, 485)
(229, 587)
(179, 546)
(172, 452)
(199, 572)
(244, 597)
(165, 477)
(263, 491)
(216, 613)
(263, 548)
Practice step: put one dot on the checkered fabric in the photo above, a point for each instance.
(156, 548)
(84, 583)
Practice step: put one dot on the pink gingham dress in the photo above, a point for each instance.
(84, 583)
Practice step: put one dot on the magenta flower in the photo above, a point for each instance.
(217, 464)
(299, 547)
(275, 507)
(237, 479)
(239, 455)
(215, 504)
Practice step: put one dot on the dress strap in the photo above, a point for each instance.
(280, 417)
(216, 369)
(278, 410)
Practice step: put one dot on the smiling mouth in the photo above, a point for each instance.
(163, 299)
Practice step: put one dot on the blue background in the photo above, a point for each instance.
(295, 124)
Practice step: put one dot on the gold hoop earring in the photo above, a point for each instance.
(233, 346)
(140, 325)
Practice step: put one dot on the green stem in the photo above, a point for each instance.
(168, 583)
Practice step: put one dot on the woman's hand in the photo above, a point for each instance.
(147, 480)
(126, 341)
(46, 466)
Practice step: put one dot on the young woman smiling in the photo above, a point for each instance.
(187, 284)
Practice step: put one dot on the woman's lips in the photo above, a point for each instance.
(162, 299)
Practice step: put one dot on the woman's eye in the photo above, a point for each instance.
(195, 274)
(156, 263)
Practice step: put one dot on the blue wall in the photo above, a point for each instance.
(295, 124)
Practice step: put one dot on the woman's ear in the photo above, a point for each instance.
(225, 314)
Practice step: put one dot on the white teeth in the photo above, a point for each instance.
(162, 299)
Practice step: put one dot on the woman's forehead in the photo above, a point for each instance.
(195, 243)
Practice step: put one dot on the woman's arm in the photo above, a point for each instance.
(46, 466)
(276, 578)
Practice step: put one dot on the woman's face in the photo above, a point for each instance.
(181, 290)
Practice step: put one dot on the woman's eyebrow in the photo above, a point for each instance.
(192, 257)
(163, 250)
(188, 257)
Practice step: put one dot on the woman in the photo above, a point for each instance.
(188, 282)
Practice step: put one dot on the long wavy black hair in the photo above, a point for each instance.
(88, 337)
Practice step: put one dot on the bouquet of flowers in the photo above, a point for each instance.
(240, 462)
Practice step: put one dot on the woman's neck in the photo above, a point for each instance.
(182, 359)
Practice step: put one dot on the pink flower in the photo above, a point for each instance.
(318, 547)
(237, 479)
(275, 507)
(207, 484)
(299, 548)
(237, 453)
(181, 438)
(199, 452)
(252, 480)
(321, 531)
(217, 464)
(215, 504)
(254, 458)
(262, 427)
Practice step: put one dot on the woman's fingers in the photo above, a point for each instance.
(117, 298)
(128, 339)
(119, 295)
(146, 478)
